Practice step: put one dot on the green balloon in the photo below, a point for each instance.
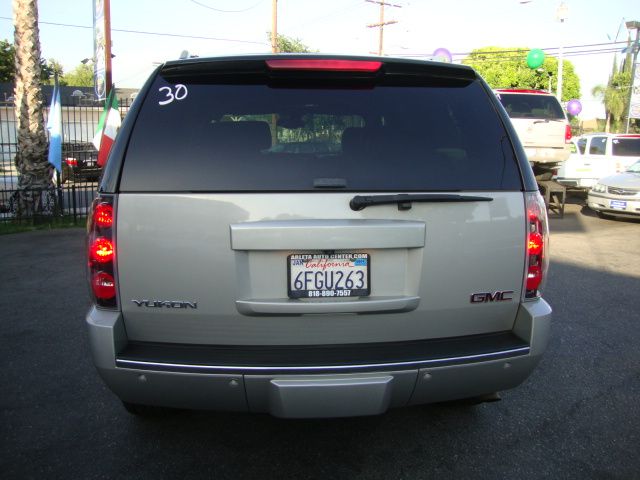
(535, 58)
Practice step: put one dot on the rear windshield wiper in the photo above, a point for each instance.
(404, 199)
(547, 120)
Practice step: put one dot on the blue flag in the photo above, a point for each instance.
(54, 125)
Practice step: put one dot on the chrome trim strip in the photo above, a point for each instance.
(418, 364)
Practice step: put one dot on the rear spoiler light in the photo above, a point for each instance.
(315, 64)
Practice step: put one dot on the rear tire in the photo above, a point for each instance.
(145, 411)
(473, 401)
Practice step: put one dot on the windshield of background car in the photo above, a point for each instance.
(523, 105)
(635, 168)
(253, 136)
(626, 147)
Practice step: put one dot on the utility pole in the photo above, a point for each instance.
(635, 84)
(381, 24)
(107, 45)
(274, 26)
(561, 14)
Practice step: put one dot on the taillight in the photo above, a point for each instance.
(72, 162)
(101, 252)
(567, 133)
(317, 64)
(537, 246)
(103, 215)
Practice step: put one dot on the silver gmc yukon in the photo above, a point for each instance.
(315, 236)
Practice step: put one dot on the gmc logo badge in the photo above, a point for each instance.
(488, 297)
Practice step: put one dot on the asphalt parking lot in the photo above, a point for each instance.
(577, 416)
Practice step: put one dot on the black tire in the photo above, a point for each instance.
(603, 215)
(473, 401)
(145, 411)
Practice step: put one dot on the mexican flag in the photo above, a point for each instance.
(107, 128)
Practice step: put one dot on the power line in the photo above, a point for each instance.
(141, 32)
(226, 11)
(609, 47)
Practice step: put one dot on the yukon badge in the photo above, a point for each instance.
(165, 303)
(488, 297)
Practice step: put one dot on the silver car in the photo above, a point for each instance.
(398, 260)
(617, 195)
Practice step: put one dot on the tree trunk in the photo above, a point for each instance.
(35, 185)
(608, 124)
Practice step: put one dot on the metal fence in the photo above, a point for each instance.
(75, 186)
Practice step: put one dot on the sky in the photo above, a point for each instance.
(332, 26)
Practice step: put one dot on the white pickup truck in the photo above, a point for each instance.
(597, 155)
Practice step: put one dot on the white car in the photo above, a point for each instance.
(617, 195)
(541, 124)
(598, 155)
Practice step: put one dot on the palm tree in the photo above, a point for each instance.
(599, 92)
(31, 158)
(614, 95)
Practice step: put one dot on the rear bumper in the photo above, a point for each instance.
(552, 155)
(319, 381)
(585, 183)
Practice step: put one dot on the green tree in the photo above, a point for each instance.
(615, 96)
(7, 62)
(52, 67)
(8, 65)
(81, 76)
(290, 45)
(507, 68)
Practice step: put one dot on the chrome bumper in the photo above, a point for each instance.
(313, 390)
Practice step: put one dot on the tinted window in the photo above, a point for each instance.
(626, 147)
(598, 146)
(522, 105)
(248, 137)
(582, 145)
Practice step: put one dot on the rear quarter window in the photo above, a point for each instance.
(260, 137)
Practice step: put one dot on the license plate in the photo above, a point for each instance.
(618, 205)
(328, 275)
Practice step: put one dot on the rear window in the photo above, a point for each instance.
(626, 147)
(522, 105)
(255, 137)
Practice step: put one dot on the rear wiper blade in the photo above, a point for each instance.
(547, 120)
(404, 199)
